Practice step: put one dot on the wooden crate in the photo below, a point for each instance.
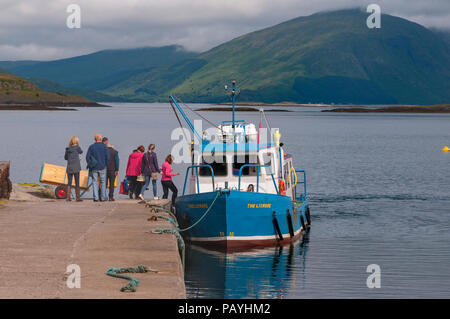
(5, 183)
(56, 175)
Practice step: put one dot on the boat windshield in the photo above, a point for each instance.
(240, 160)
(219, 166)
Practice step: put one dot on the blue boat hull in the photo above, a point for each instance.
(240, 219)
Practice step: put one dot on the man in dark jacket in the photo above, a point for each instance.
(97, 158)
(112, 168)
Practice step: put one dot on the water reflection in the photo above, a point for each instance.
(264, 273)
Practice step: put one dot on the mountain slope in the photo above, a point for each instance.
(15, 90)
(99, 70)
(50, 86)
(328, 57)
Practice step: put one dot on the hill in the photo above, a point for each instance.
(99, 70)
(50, 86)
(17, 92)
(328, 57)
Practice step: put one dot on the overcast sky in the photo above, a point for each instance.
(37, 30)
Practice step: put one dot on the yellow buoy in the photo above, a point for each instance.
(445, 149)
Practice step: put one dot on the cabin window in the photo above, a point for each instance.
(268, 159)
(241, 160)
(219, 166)
(286, 174)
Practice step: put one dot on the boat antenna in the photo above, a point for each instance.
(261, 110)
(233, 97)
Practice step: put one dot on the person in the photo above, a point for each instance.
(166, 179)
(72, 156)
(112, 168)
(134, 170)
(150, 170)
(250, 188)
(97, 158)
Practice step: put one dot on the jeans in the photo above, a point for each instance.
(169, 185)
(96, 176)
(134, 187)
(110, 178)
(77, 179)
(147, 182)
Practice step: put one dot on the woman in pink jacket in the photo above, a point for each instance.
(134, 167)
(166, 179)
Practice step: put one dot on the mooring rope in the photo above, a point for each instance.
(133, 283)
(199, 220)
(176, 231)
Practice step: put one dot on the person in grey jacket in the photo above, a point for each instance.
(72, 156)
(150, 170)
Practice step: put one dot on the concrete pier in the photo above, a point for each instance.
(39, 239)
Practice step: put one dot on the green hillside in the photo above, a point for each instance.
(3, 71)
(329, 57)
(100, 70)
(50, 86)
(15, 90)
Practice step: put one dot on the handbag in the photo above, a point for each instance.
(154, 174)
(140, 178)
(124, 187)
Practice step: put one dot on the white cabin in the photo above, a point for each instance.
(237, 147)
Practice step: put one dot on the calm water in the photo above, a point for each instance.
(378, 185)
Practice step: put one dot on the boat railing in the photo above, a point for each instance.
(236, 121)
(258, 166)
(196, 172)
(298, 195)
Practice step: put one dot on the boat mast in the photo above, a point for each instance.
(233, 94)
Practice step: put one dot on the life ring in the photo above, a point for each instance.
(282, 187)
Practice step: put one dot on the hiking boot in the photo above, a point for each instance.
(68, 194)
(77, 194)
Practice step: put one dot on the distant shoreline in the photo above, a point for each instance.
(284, 104)
(47, 106)
(442, 108)
(237, 109)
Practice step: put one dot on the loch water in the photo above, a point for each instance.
(378, 184)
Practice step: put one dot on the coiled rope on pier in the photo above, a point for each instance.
(133, 283)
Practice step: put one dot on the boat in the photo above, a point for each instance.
(239, 192)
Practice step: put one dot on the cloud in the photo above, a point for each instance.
(37, 29)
